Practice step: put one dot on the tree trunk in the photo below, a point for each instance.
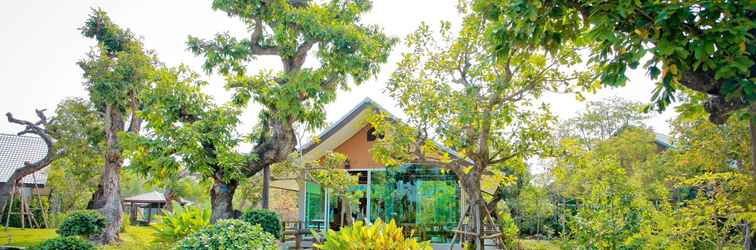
(474, 196)
(266, 187)
(170, 197)
(752, 123)
(221, 200)
(109, 203)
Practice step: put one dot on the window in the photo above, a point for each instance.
(371, 136)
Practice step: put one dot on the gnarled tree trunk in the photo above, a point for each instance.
(221, 199)
(109, 203)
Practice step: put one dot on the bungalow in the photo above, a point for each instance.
(420, 198)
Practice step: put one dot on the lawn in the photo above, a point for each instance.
(133, 238)
(538, 245)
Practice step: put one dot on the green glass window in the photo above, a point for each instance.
(419, 198)
(315, 205)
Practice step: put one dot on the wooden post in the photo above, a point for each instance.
(266, 188)
(133, 213)
(10, 205)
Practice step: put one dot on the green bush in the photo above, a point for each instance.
(268, 220)
(82, 223)
(64, 243)
(377, 236)
(229, 235)
(179, 223)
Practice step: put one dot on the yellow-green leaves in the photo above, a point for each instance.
(378, 236)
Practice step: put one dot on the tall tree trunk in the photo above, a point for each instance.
(471, 185)
(221, 199)
(109, 203)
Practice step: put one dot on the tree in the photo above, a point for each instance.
(456, 93)
(187, 133)
(36, 128)
(114, 72)
(75, 174)
(703, 46)
(290, 30)
(603, 119)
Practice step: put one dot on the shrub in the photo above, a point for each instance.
(268, 220)
(509, 230)
(83, 223)
(179, 223)
(377, 236)
(64, 243)
(229, 235)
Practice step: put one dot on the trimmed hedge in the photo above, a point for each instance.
(82, 223)
(64, 243)
(229, 235)
(268, 220)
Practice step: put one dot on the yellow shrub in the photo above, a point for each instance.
(377, 236)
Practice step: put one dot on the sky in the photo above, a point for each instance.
(40, 44)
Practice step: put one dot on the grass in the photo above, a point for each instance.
(538, 245)
(132, 238)
(25, 237)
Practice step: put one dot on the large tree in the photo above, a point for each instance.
(603, 119)
(330, 32)
(455, 92)
(705, 46)
(114, 73)
(75, 174)
(187, 133)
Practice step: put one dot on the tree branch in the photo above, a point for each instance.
(255, 41)
(30, 167)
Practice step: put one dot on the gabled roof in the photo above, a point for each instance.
(151, 197)
(347, 126)
(15, 151)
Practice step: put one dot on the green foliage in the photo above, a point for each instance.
(509, 230)
(179, 223)
(379, 235)
(74, 176)
(270, 221)
(118, 67)
(229, 235)
(64, 243)
(84, 223)
(346, 48)
(602, 119)
(703, 45)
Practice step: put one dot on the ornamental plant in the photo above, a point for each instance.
(380, 235)
(64, 243)
(82, 223)
(268, 220)
(180, 222)
(229, 235)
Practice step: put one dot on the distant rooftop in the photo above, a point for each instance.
(15, 151)
(151, 197)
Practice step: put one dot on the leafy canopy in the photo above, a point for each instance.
(289, 30)
(706, 46)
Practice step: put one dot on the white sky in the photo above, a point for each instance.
(40, 44)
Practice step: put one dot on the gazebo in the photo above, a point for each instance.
(147, 204)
